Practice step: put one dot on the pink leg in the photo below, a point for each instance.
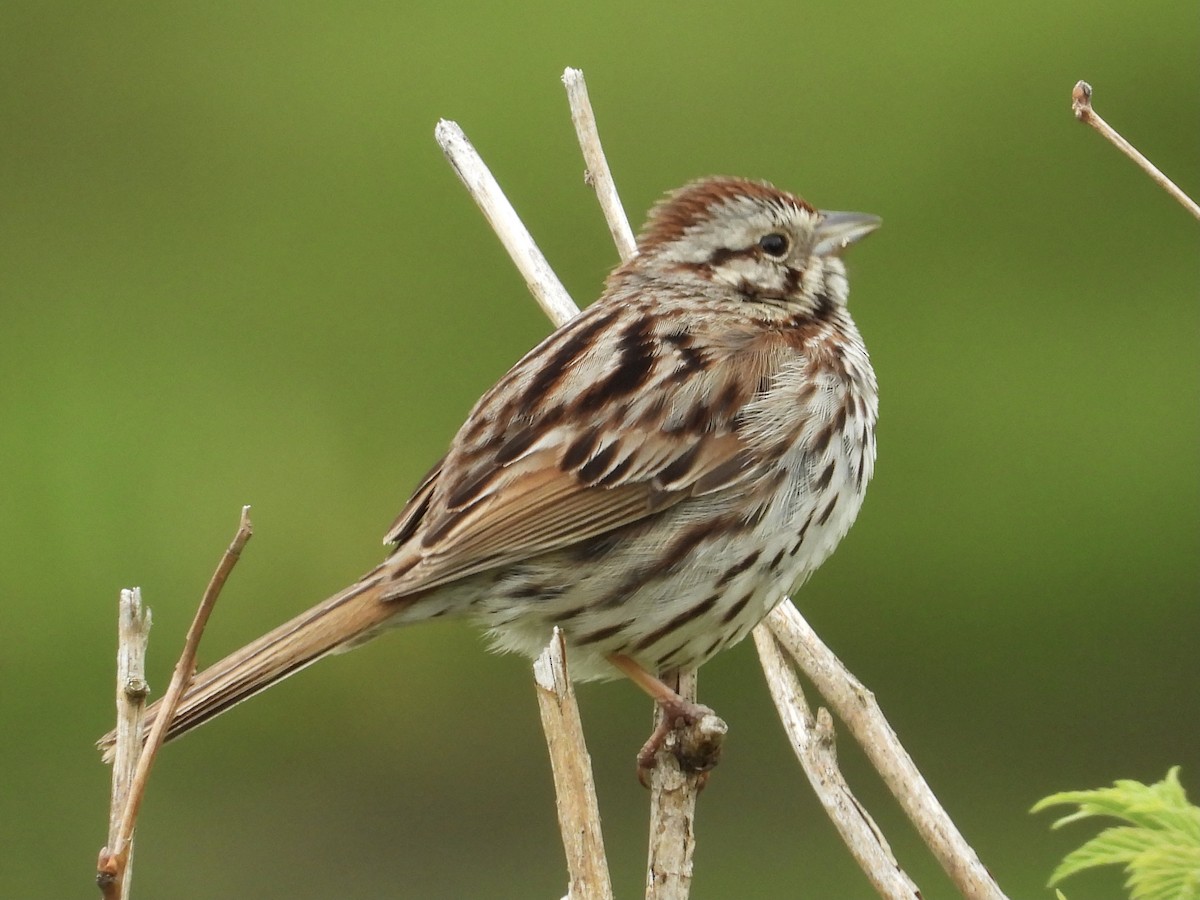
(677, 712)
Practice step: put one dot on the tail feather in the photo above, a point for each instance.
(339, 623)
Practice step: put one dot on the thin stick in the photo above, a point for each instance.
(813, 741)
(857, 708)
(133, 634)
(598, 174)
(574, 789)
(547, 290)
(673, 794)
(115, 857)
(1081, 105)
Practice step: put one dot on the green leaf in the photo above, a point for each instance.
(1159, 847)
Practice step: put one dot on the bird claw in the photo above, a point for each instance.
(690, 732)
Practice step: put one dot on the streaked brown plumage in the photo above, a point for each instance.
(653, 477)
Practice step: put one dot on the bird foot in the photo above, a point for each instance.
(691, 733)
(688, 731)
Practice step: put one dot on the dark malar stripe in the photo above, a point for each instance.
(825, 306)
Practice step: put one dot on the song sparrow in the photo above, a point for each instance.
(653, 477)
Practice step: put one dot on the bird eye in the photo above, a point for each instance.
(774, 244)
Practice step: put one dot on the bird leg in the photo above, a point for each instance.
(696, 753)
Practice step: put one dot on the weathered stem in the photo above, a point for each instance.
(574, 789)
(856, 707)
(813, 741)
(133, 635)
(115, 857)
(1081, 105)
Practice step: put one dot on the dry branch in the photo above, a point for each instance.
(813, 741)
(574, 789)
(857, 708)
(1081, 105)
(673, 794)
(133, 634)
(599, 176)
(547, 290)
(114, 858)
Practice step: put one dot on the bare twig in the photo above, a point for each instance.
(1081, 105)
(671, 821)
(547, 290)
(115, 857)
(856, 707)
(813, 742)
(574, 789)
(133, 633)
(673, 793)
(598, 174)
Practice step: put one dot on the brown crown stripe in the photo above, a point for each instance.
(693, 203)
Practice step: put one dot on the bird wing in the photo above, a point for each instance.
(608, 421)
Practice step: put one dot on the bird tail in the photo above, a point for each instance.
(345, 620)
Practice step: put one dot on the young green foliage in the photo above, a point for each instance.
(1160, 847)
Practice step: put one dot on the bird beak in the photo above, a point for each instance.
(838, 230)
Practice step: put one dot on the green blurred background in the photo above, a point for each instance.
(237, 270)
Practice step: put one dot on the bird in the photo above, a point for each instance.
(652, 478)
